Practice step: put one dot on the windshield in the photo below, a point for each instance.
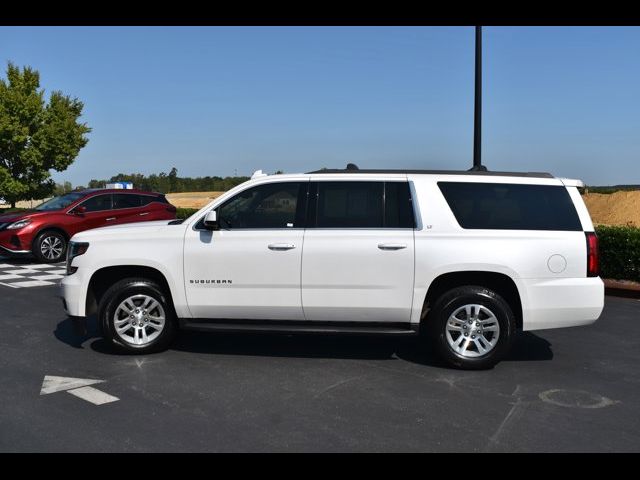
(63, 201)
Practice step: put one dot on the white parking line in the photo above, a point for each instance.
(31, 283)
(24, 271)
(10, 277)
(47, 277)
(27, 275)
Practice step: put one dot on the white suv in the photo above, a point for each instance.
(464, 258)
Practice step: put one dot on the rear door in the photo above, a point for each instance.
(126, 208)
(358, 258)
(98, 212)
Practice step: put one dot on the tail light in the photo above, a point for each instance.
(593, 255)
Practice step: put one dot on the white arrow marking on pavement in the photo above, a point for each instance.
(93, 395)
(78, 387)
(52, 384)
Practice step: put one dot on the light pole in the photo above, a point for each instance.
(477, 114)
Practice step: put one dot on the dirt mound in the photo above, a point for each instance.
(619, 208)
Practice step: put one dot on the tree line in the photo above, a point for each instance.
(171, 183)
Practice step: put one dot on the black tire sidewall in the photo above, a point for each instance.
(463, 296)
(38, 243)
(120, 291)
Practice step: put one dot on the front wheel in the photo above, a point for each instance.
(50, 247)
(472, 327)
(137, 316)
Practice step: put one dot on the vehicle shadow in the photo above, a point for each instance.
(26, 259)
(527, 346)
(21, 260)
(75, 332)
(275, 345)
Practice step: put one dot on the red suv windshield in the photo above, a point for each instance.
(63, 201)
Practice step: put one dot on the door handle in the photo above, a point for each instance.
(281, 246)
(391, 246)
(110, 218)
(144, 213)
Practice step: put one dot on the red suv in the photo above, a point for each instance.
(46, 230)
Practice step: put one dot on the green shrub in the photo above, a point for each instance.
(619, 252)
(185, 212)
(11, 210)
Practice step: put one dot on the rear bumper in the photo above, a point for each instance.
(564, 302)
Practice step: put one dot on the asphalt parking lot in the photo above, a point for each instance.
(559, 391)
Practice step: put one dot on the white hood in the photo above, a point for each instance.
(146, 229)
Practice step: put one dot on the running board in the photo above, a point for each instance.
(349, 328)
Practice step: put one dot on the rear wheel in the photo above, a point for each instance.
(50, 247)
(472, 327)
(137, 317)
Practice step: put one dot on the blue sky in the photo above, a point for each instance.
(220, 100)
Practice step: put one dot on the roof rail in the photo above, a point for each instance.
(352, 168)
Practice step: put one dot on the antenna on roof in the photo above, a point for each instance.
(477, 118)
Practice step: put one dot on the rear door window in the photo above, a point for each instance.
(350, 205)
(504, 206)
(125, 200)
(362, 204)
(98, 203)
(398, 207)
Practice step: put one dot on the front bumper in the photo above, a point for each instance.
(16, 242)
(14, 252)
(71, 291)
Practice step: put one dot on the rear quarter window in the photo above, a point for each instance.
(147, 199)
(505, 206)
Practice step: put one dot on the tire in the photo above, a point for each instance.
(50, 246)
(123, 307)
(450, 315)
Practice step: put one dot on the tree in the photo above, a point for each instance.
(93, 183)
(173, 179)
(35, 136)
(59, 189)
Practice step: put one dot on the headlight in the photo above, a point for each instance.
(75, 249)
(19, 224)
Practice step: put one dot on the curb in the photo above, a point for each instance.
(621, 288)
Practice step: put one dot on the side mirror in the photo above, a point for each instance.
(211, 221)
(79, 210)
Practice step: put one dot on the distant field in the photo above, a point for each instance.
(25, 204)
(192, 199)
